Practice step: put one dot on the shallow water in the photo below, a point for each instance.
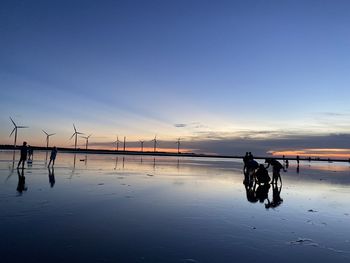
(107, 208)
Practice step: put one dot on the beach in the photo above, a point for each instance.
(166, 209)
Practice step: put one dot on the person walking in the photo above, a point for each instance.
(24, 151)
(53, 156)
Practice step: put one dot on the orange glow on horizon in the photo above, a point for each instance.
(322, 153)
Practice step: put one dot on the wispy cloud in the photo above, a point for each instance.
(180, 125)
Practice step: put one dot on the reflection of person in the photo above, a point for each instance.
(23, 158)
(276, 168)
(276, 197)
(51, 176)
(21, 182)
(262, 192)
(250, 191)
(53, 156)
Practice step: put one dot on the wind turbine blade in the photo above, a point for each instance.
(13, 122)
(12, 131)
(22, 127)
(45, 132)
(89, 136)
(72, 136)
(79, 133)
(51, 134)
(74, 128)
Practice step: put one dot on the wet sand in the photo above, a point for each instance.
(164, 209)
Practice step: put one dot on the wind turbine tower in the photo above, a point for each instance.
(87, 141)
(15, 130)
(48, 138)
(75, 134)
(142, 145)
(155, 143)
(124, 144)
(117, 143)
(178, 145)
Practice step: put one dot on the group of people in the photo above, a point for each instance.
(27, 155)
(257, 180)
(253, 171)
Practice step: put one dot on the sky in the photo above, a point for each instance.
(225, 76)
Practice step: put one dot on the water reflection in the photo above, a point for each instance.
(51, 176)
(276, 197)
(262, 192)
(21, 186)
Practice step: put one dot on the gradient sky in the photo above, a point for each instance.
(200, 70)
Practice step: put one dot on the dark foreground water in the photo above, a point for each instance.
(132, 209)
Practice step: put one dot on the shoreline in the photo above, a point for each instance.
(160, 153)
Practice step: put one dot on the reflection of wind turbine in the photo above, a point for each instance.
(154, 143)
(178, 145)
(15, 130)
(87, 140)
(142, 145)
(48, 138)
(75, 134)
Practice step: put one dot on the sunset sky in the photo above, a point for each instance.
(226, 76)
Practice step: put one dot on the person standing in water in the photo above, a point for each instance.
(24, 151)
(53, 156)
(276, 168)
(30, 153)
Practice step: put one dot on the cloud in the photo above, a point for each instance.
(180, 125)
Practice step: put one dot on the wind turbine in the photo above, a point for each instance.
(87, 140)
(142, 145)
(75, 134)
(155, 143)
(117, 143)
(15, 130)
(48, 138)
(178, 145)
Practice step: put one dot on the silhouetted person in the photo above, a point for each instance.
(250, 156)
(51, 176)
(262, 175)
(24, 150)
(252, 165)
(21, 186)
(245, 161)
(53, 156)
(309, 158)
(30, 153)
(276, 197)
(298, 159)
(276, 169)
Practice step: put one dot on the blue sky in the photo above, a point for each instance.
(224, 69)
